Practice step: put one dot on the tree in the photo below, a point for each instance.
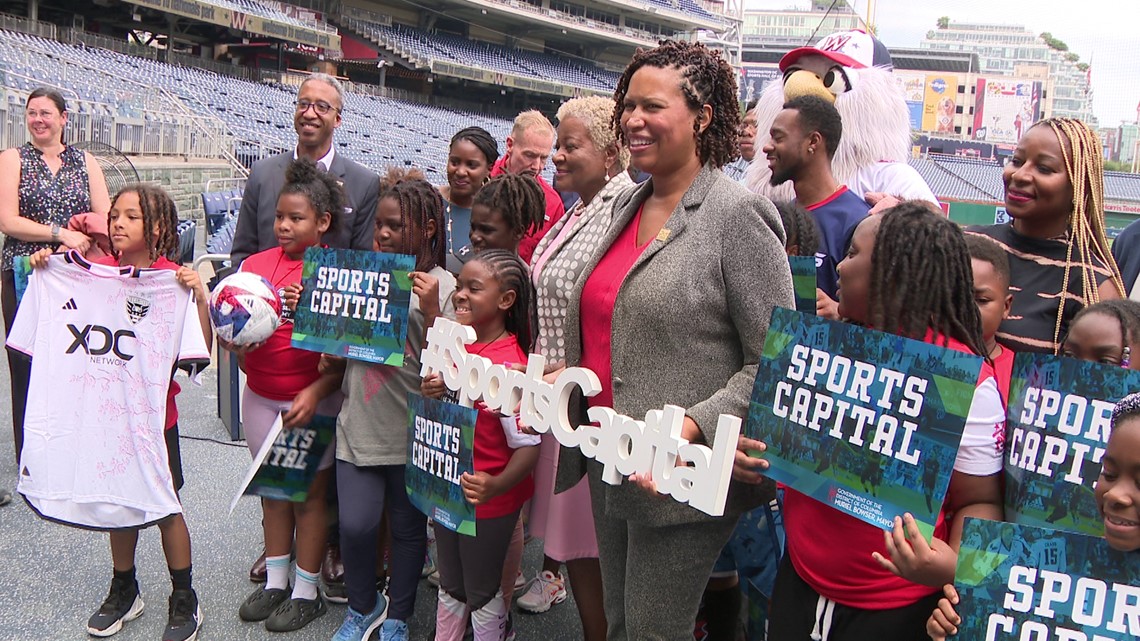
(1053, 42)
(944, 22)
(1072, 57)
(1116, 165)
(1082, 67)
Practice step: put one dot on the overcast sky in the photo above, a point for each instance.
(1103, 31)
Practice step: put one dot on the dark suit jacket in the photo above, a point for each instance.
(688, 326)
(254, 232)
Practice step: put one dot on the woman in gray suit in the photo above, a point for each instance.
(672, 308)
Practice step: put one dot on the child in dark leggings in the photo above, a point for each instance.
(494, 295)
(372, 428)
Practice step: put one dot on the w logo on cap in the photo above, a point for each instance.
(837, 42)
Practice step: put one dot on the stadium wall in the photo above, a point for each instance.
(184, 181)
(966, 213)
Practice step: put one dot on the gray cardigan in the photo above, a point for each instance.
(688, 326)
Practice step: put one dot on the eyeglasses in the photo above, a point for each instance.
(321, 107)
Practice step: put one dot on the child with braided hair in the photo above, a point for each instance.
(495, 296)
(1107, 332)
(800, 228)
(142, 226)
(907, 271)
(1117, 501)
(1058, 252)
(372, 428)
(505, 210)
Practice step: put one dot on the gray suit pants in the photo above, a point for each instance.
(653, 577)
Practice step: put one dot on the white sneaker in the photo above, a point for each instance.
(546, 590)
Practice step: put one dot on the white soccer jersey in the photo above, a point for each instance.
(104, 341)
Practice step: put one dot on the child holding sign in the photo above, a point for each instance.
(372, 428)
(906, 271)
(495, 296)
(1117, 500)
(284, 381)
(142, 225)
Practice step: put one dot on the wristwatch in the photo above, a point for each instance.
(55, 232)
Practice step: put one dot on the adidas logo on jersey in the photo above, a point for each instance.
(70, 304)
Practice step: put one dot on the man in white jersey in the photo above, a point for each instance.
(106, 338)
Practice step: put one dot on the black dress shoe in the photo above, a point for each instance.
(257, 572)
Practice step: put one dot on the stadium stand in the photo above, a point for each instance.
(985, 175)
(421, 48)
(377, 132)
(947, 184)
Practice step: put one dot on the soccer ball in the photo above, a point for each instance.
(245, 309)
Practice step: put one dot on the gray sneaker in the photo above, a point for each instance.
(262, 603)
(295, 614)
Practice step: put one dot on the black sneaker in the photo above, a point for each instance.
(184, 617)
(123, 603)
(295, 614)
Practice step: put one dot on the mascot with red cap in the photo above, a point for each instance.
(851, 69)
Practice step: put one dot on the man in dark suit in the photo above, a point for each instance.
(317, 114)
(320, 103)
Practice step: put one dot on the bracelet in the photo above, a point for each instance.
(55, 233)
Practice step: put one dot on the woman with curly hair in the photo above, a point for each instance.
(672, 308)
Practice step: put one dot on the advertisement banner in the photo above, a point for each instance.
(1057, 426)
(354, 304)
(1021, 582)
(940, 101)
(1005, 109)
(866, 422)
(754, 78)
(913, 88)
(441, 439)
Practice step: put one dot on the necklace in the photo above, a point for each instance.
(286, 312)
(485, 345)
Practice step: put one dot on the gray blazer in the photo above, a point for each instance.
(688, 326)
(254, 232)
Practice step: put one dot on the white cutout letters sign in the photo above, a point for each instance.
(694, 474)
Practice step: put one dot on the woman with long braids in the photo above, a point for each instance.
(469, 159)
(1054, 192)
(671, 307)
(907, 271)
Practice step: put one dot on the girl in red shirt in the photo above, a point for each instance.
(494, 295)
(284, 381)
(907, 270)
